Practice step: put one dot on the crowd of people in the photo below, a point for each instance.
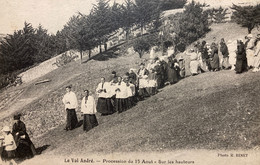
(119, 93)
(238, 55)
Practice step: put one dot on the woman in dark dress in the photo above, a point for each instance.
(172, 71)
(241, 62)
(214, 58)
(25, 147)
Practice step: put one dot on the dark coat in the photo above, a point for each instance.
(25, 146)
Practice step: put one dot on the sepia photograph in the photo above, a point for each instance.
(130, 82)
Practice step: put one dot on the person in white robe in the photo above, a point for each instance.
(104, 94)
(88, 109)
(121, 96)
(232, 47)
(71, 103)
(142, 75)
(194, 63)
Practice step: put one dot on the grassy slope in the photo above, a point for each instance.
(205, 111)
(210, 111)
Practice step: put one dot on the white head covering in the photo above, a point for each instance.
(6, 129)
(250, 36)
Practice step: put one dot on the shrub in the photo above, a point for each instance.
(64, 59)
(141, 45)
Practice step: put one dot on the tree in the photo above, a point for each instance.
(172, 4)
(16, 50)
(102, 21)
(145, 12)
(193, 24)
(127, 18)
(247, 16)
(144, 43)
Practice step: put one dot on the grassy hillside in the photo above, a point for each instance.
(209, 111)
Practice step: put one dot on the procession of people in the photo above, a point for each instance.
(120, 93)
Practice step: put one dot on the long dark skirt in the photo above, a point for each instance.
(8, 155)
(89, 122)
(214, 62)
(25, 148)
(104, 106)
(241, 65)
(172, 75)
(121, 104)
(151, 90)
(72, 119)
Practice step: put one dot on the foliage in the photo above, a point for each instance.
(172, 4)
(144, 43)
(217, 15)
(246, 16)
(65, 59)
(192, 25)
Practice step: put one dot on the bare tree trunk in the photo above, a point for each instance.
(81, 54)
(89, 53)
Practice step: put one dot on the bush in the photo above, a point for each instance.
(64, 59)
(141, 45)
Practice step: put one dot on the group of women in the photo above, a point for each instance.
(239, 57)
(16, 143)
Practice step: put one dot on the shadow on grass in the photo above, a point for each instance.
(39, 150)
(106, 55)
(80, 123)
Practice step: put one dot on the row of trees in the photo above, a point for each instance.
(88, 31)
(30, 46)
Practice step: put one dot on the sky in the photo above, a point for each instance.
(53, 14)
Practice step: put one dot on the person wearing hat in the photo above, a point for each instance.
(71, 103)
(241, 59)
(113, 78)
(25, 147)
(88, 109)
(9, 144)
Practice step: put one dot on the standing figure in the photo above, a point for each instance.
(121, 96)
(25, 147)
(257, 56)
(232, 47)
(71, 103)
(172, 71)
(241, 62)
(205, 57)
(249, 46)
(88, 108)
(225, 53)
(8, 154)
(194, 63)
(152, 82)
(104, 104)
(142, 81)
(214, 58)
(182, 67)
